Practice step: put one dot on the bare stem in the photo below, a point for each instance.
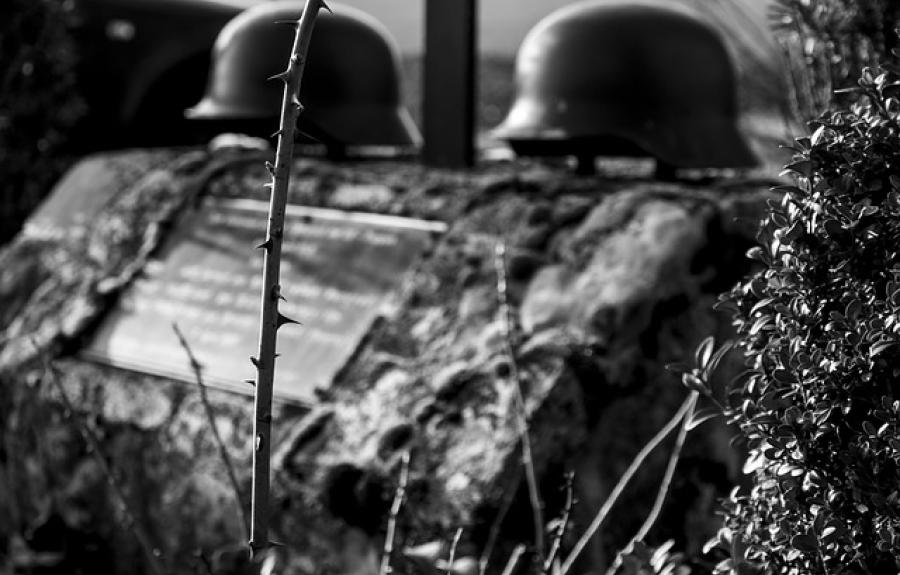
(624, 480)
(494, 533)
(664, 485)
(666, 482)
(562, 526)
(90, 437)
(197, 369)
(452, 556)
(521, 418)
(513, 559)
(270, 318)
(399, 495)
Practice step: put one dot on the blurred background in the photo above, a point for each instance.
(84, 75)
(503, 24)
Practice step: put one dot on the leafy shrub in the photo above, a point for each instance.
(827, 43)
(38, 103)
(819, 326)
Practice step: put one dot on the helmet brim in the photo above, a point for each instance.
(348, 125)
(367, 125)
(709, 141)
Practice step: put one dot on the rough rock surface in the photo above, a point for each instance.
(611, 278)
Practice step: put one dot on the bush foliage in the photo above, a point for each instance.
(819, 326)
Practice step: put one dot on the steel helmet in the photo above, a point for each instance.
(626, 77)
(351, 82)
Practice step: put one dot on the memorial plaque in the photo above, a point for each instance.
(338, 271)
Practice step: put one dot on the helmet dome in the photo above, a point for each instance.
(626, 77)
(351, 82)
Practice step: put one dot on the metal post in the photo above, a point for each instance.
(449, 83)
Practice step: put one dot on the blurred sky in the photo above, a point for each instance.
(503, 23)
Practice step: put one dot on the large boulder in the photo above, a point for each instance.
(608, 280)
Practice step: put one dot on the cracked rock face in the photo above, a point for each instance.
(608, 280)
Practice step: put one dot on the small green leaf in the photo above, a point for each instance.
(868, 210)
(717, 357)
(801, 168)
(881, 347)
(758, 254)
(758, 306)
(853, 309)
(704, 352)
(760, 324)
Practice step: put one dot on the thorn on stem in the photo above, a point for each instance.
(254, 361)
(283, 319)
(266, 245)
(277, 133)
(309, 136)
(283, 76)
(326, 6)
(251, 382)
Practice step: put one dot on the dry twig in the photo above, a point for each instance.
(494, 533)
(151, 553)
(625, 479)
(521, 417)
(197, 369)
(563, 524)
(664, 486)
(452, 556)
(513, 559)
(666, 482)
(399, 496)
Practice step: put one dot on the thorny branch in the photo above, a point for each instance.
(270, 318)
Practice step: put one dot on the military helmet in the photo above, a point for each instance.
(351, 82)
(626, 77)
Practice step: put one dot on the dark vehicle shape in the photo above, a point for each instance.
(141, 63)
